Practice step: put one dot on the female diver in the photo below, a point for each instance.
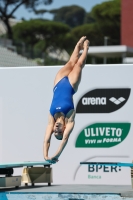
(62, 113)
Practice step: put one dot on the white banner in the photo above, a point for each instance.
(1, 130)
(103, 122)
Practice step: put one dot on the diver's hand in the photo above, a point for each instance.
(55, 159)
(51, 160)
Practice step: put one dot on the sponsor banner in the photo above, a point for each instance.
(102, 135)
(103, 100)
(95, 174)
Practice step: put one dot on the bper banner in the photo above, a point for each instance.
(103, 122)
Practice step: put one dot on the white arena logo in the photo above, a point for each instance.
(58, 108)
(94, 101)
(117, 101)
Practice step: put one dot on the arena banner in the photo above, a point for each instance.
(103, 123)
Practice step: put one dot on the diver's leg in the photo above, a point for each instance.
(66, 70)
(75, 75)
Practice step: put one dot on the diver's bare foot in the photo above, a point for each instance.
(81, 42)
(86, 44)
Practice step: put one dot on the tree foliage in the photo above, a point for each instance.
(68, 25)
(103, 20)
(8, 8)
(107, 17)
(71, 15)
(89, 19)
(91, 31)
(47, 33)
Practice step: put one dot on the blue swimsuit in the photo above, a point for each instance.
(62, 98)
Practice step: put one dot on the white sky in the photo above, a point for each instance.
(86, 4)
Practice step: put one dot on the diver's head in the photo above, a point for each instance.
(59, 130)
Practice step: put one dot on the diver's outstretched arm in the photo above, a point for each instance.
(64, 141)
(47, 138)
(67, 132)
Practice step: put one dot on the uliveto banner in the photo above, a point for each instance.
(102, 135)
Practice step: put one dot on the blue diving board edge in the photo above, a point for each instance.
(119, 164)
(25, 164)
